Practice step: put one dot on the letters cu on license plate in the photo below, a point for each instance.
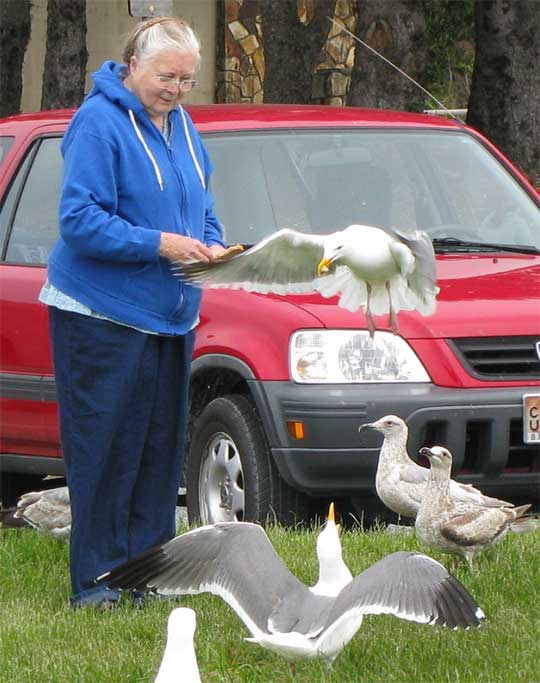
(531, 418)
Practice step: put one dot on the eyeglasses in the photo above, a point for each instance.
(183, 84)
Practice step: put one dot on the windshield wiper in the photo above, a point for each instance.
(455, 244)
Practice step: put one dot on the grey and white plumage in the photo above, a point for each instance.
(236, 561)
(382, 270)
(48, 511)
(458, 527)
(179, 661)
(401, 483)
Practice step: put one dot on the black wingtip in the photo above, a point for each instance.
(135, 574)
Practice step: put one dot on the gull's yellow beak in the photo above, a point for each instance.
(324, 266)
(332, 518)
(331, 515)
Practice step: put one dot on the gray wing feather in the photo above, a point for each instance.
(284, 263)
(424, 278)
(479, 526)
(467, 493)
(410, 586)
(413, 474)
(234, 560)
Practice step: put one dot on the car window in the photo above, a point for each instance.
(5, 144)
(320, 181)
(10, 200)
(34, 197)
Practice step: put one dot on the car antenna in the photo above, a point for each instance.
(372, 49)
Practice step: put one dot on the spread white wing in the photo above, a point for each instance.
(284, 263)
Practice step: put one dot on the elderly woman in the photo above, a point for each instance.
(135, 198)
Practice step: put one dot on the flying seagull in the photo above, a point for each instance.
(236, 561)
(179, 660)
(47, 511)
(382, 270)
(458, 527)
(401, 483)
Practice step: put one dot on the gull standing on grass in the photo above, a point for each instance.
(48, 511)
(382, 270)
(453, 526)
(401, 483)
(237, 562)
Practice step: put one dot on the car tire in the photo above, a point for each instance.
(229, 471)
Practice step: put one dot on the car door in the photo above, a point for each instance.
(28, 227)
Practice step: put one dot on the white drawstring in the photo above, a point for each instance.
(147, 150)
(192, 151)
(150, 156)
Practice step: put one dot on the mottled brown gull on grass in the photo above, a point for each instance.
(48, 511)
(457, 527)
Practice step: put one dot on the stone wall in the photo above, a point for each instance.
(241, 68)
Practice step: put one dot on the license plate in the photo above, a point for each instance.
(531, 418)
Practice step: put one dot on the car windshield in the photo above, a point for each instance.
(318, 181)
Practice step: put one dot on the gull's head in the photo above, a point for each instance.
(182, 623)
(333, 572)
(389, 425)
(328, 542)
(439, 458)
(334, 251)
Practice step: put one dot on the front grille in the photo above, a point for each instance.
(499, 358)
(483, 446)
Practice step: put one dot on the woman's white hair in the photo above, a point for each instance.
(158, 34)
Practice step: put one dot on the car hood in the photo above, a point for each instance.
(481, 295)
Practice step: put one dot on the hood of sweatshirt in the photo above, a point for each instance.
(109, 81)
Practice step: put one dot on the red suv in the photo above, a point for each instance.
(281, 384)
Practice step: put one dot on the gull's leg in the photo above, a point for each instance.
(469, 556)
(370, 321)
(392, 317)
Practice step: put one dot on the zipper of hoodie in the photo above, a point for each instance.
(168, 147)
(180, 180)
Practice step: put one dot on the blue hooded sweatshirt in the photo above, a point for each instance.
(123, 185)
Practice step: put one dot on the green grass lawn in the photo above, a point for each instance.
(42, 640)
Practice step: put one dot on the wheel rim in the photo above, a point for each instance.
(221, 482)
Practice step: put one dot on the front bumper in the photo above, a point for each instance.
(481, 427)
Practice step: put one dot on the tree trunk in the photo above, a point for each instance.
(505, 92)
(396, 29)
(66, 57)
(294, 33)
(14, 34)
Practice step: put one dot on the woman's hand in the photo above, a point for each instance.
(179, 248)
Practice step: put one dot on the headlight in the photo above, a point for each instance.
(349, 356)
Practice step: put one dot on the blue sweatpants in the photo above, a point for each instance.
(123, 401)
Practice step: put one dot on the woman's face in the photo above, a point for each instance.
(148, 79)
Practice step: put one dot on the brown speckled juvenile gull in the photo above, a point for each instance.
(384, 271)
(400, 482)
(48, 511)
(236, 561)
(453, 526)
